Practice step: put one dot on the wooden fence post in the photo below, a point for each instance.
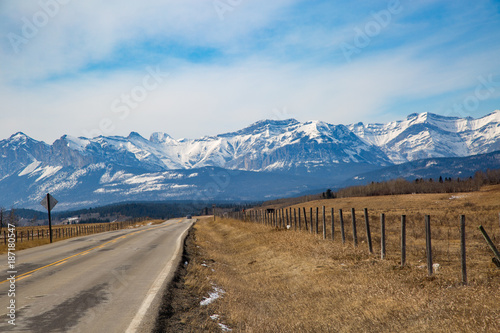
(462, 249)
(324, 223)
(305, 218)
(295, 218)
(298, 209)
(316, 225)
(368, 233)
(490, 243)
(403, 240)
(354, 234)
(311, 218)
(382, 236)
(341, 221)
(428, 243)
(333, 226)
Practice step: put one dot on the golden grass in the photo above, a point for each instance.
(286, 281)
(59, 232)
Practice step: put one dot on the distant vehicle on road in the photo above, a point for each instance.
(189, 217)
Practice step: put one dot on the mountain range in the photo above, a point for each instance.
(268, 159)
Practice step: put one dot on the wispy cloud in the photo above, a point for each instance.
(225, 73)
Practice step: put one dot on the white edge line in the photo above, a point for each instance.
(155, 288)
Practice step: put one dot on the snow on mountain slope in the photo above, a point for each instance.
(429, 135)
(19, 151)
(257, 148)
(267, 145)
(103, 169)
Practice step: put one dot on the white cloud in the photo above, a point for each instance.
(268, 55)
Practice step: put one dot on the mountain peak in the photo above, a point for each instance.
(19, 136)
(275, 122)
(271, 123)
(412, 116)
(75, 143)
(135, 135)
(159, 137)
(267, 125)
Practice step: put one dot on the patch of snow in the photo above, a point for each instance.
(217, 293)
(146, 178)
(48, 171)
(118, 176)
(78, 144)
(224, 328)
(30, 168)
(105, 190)
(457, 197)
(181, 186)
(430, 163)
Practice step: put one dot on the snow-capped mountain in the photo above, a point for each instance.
(263, 146)
(268, 158)
(429, 135)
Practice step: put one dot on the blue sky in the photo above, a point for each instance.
(202, 67)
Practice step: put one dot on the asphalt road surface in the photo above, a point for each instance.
(107, 282)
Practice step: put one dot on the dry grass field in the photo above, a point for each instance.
(294, 281)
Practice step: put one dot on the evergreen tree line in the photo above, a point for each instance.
(154, 210)
(419, 185)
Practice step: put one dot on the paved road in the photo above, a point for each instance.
(108, 282)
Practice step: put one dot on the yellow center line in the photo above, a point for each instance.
(58, 262)
(23, 277)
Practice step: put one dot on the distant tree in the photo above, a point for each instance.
(2, 210)
(441, 179)
(12, 217)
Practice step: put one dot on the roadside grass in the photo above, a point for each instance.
(285, 281)
(57, 235)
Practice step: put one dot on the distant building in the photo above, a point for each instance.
(71, 220)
